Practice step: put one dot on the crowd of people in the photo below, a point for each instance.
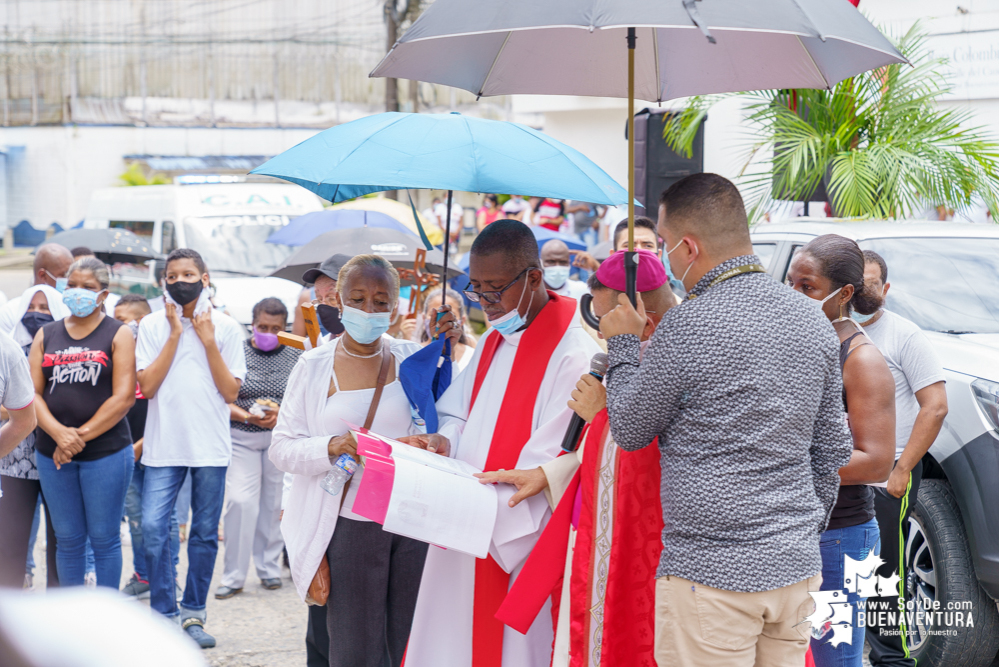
(748, 436)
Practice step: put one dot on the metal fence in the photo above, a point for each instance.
(144, 61)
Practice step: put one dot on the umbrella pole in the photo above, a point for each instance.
(631, 257)
(447, 243)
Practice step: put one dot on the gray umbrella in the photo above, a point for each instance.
(397, 247)
(668, 48)
(578, 47)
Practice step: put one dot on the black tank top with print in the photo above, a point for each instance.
(77, 382)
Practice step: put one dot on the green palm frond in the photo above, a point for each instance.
(878, 141)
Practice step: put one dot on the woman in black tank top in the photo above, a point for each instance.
(83, 368)
(830, 269)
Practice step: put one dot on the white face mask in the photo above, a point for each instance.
(668, 252)
(556, 276)
(823, 301)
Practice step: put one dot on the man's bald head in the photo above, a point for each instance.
(510, 238)
(555, 253)
(707, 207)
(51, 261)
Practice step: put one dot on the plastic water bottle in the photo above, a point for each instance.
(343, 470)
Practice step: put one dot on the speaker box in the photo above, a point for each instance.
(657, 166)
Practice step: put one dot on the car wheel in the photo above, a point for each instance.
(939, 570)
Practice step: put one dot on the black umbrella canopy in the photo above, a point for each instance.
(398, 248)
(109, 245)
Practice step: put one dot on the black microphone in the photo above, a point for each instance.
(598, 367)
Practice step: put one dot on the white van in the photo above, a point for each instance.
(227, 223)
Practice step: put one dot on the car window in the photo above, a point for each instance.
(787, 265)
(943, 284)
(766, 252)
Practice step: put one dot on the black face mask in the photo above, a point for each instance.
(184, 293)
(34, 321)
(329, 317)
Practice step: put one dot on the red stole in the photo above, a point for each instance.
(629, 600)
(513, 429)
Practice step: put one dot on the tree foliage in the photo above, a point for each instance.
(135, 176)
(879, 141)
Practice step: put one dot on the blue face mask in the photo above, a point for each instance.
(863, 319)
(555, 276)
(60, 283)
(513, 321)
(81, 302)
(364, 327)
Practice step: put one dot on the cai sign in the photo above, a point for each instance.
(974, 63)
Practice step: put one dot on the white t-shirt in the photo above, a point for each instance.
(573, 289)
(17, 391)
(188, 420)
(913, 364)
(8, 315)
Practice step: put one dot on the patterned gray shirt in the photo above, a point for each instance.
(741, 383)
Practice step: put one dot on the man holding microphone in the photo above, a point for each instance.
(741, 386)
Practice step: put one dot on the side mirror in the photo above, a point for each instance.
(585, 310)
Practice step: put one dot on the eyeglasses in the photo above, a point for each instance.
(495, 296)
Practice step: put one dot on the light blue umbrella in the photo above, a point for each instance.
(404, 151)
(306, 227)
(400, 151)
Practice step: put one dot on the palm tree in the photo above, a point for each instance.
(878, 142)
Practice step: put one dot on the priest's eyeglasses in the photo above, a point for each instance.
(495, 296)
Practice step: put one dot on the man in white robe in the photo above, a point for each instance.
(515, 390)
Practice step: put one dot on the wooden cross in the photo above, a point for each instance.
(311, 328)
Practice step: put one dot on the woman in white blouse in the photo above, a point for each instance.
(375, 575)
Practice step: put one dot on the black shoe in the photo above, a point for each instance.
(196, 631)
(271, 584)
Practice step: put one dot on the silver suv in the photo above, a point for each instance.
(944, 277)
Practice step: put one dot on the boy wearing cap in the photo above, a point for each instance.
(615, 617)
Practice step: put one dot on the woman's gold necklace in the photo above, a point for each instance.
(361, 356)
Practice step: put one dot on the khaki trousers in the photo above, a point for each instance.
(699, 626)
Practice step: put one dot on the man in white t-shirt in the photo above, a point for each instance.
(190, 363)
(920, 408)
(555, 262)
(17, 395)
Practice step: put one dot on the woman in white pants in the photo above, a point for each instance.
(253, 484)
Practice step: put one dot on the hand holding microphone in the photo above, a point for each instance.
(588, 399)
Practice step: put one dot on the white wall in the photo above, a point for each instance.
(60, 166)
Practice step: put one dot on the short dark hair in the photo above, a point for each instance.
(871, 257)
(640, 221)
(186, 253)
(81, 251)
(135, 301)
(511, 238)
(709, 205)
(271, 306)
(842, 262)
(593, 283)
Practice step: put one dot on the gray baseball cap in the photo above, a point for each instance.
(330, 268)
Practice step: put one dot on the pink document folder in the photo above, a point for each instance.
(373, 494)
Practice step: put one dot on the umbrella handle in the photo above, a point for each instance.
(631, 275)
(586, 311)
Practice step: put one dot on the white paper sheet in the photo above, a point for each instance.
(442, 508)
